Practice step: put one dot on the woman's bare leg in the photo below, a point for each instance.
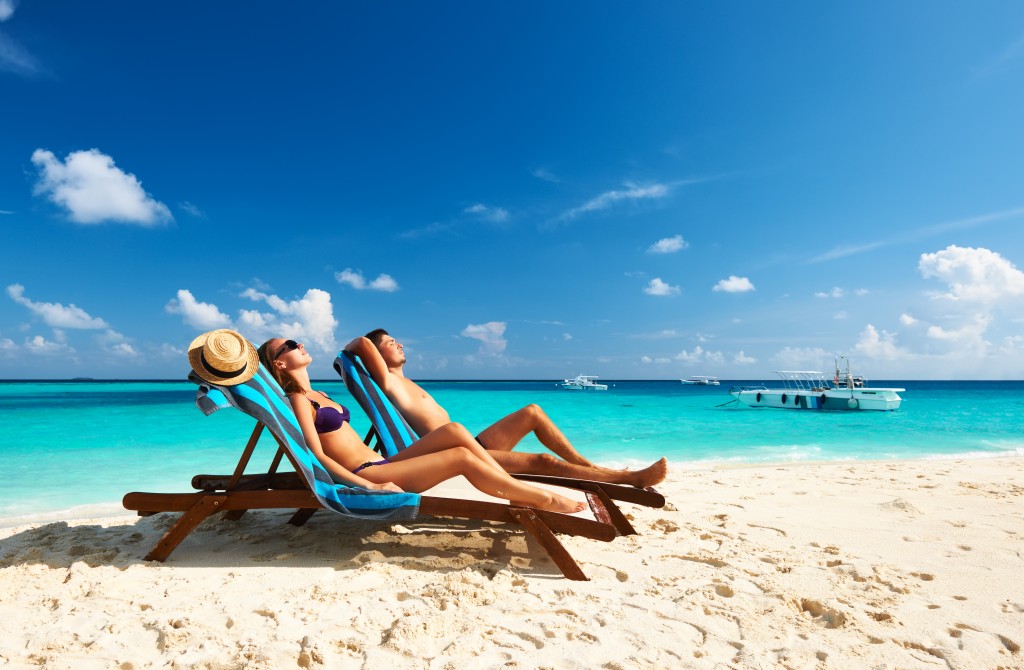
(447, 436)
(423, 472)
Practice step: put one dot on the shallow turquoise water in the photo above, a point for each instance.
(73, 449)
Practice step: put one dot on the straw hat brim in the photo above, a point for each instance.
(232, 373)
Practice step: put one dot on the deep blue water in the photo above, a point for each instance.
(74, 448)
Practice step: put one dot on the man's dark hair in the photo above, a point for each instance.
(376, 336)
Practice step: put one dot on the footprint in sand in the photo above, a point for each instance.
(902, 506)
(829, 617)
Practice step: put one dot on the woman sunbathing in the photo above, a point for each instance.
(444, 453)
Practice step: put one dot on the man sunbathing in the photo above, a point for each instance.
(384, 359)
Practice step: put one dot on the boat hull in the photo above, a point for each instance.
(876, 399)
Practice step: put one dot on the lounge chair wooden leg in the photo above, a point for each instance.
(301, 516)
(206, 506)
(235, 514)
(615, 515)
(558, 553)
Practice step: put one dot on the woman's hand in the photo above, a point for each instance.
(386, 486)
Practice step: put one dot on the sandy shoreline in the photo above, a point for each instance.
(907, 564)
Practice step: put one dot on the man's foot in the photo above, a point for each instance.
(649, 476)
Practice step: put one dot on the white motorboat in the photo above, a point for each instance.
(701, 380)
(583, 383)
(806, 389)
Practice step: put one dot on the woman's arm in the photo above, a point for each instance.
(304, 413)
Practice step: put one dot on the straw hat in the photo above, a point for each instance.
(223, 357)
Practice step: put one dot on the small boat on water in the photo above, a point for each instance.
(583, 383)
(701, 380)
(806, 389)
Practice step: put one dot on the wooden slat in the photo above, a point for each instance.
(647, 497)
(277, 480)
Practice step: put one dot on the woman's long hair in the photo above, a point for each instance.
(288, 385)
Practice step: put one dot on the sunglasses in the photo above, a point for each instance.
(289, 345)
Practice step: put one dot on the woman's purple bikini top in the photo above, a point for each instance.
(328, 419)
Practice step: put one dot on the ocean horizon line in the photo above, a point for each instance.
(672, 380)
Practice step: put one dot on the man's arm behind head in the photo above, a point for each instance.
(374, 363)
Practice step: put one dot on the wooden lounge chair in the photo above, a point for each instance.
(310, 487)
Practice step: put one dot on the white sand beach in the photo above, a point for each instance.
(844, 565)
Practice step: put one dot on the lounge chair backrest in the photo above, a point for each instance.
(262, 398)
(393, 430)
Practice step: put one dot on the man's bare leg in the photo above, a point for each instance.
(518, 462)
(505, 434)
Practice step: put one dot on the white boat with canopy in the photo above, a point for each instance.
(808, 389)
(701, 380)
(583, 383)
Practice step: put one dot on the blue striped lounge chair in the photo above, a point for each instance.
(392, 433)
(310, 487)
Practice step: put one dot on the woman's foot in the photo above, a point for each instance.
(555, 503)
(564, 505)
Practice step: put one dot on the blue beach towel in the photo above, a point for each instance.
(262, 398)
(393, 432)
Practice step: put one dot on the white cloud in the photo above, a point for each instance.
(633, 192)
(968, 339)
(844, 251)
(93, 190)
(643, 359)
(491, 214)
(658, 287)
(566, 336)
(309, 318)
(7, 8)
(123, 350)
(199, 315)
(801, 358)
(978, 275)
(546, 175)
(116, 344)
(907, 320)
(1012, 52)
(668, 245)
(429, 230)
(13, 57)
(490, 334)
(1012, 344)
(354, 278)
(878, 345)
(836, 292)
(55, 314)
(840, 315)
(666, 334)
(734, 284)
(742, 359)
(40, 345)
(192, 210)
(699, 355)
(170, 352)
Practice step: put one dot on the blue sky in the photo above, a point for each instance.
(516, 190)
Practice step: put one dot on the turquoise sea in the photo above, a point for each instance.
(72, 449)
